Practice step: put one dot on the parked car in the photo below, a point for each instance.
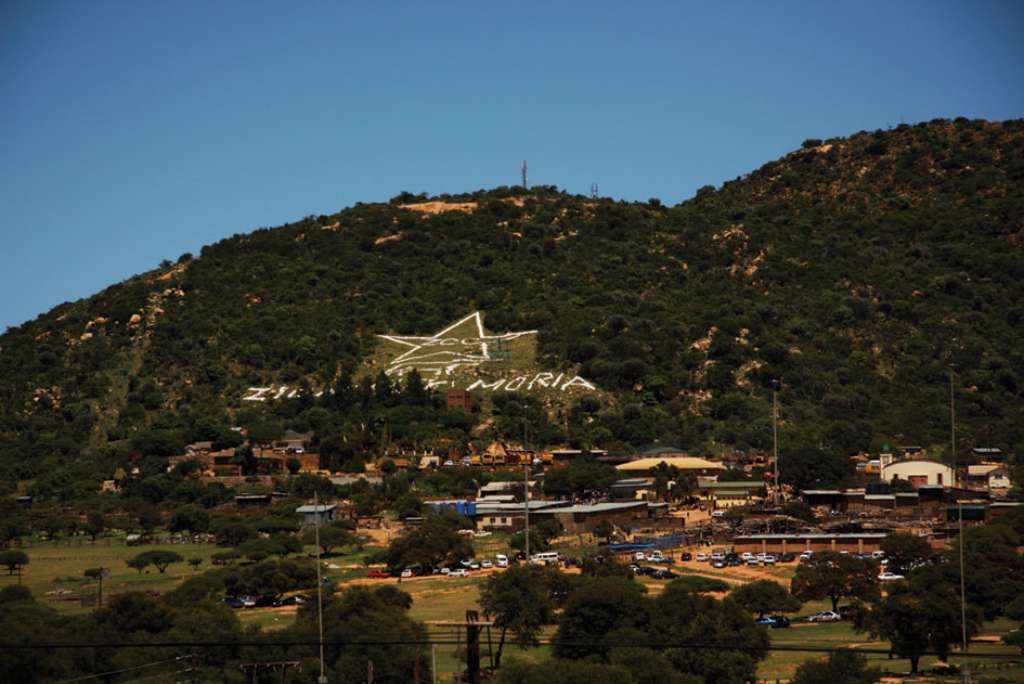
(774, 621)
(639, 556)
(806, 555)
(718, 564)
(768, 560)
(656, 557)
(717, 514)
(665, 574)
(746, 555)
(501, 560)
(787, 557)
(824, 616)
(459, 572)
(377, 573)
(291, 601)
(687, 556)
(703, 557)
(889, 576)
(718, 556)
(234, 602)
(486, 564)
(878, 555)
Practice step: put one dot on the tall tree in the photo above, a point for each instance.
(835, 576)
(519, 600)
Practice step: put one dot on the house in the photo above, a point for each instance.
(319, 514)
(252, 500)
(276, 460)
(459, 400)
(919, 472)
(993, 477)
(294, 442)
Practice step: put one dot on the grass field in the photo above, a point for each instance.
(439, 599)
(60, 566)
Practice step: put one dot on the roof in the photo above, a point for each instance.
(732, 492)
(821, 492)
(728, 484)
(600, 507)
(681, 462)
(814, 535)
(661, 451)
(310, 508)
(633, 482)
(980, 470)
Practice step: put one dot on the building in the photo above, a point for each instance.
(727, 494)
(460, 399)
(586, 517)
(920, 472)
(687, 464)
(852, 542)
(633, 488)
(993, 477)
(294, 442)
(313, 515)
(509, 516)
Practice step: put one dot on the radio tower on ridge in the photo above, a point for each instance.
(525, 186)
(593, 191)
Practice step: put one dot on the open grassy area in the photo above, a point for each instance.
(60, 566)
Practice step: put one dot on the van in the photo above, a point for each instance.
(545, 558)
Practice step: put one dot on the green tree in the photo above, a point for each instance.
(765, 596)
(159, 559)
(905, 551)
(594, 611)
(565, 671)
(518, 600)
(842, 667)
(835, 576)
(14, 560)
(916, 621)
(436, 542)
(331, 536)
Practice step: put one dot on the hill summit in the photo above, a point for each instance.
(857, 271)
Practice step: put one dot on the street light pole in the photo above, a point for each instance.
(960, 529)
(775, 439)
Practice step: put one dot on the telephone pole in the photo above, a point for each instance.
(775, 439)
(960, 529)
(525, 185)
(473, 647)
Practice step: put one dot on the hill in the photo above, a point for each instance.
(857, 270)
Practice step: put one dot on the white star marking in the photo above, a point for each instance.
(441, 354)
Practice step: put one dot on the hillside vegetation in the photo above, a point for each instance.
(857, 270)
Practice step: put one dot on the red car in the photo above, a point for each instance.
(378, 574)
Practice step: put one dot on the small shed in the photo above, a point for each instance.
(319, 514)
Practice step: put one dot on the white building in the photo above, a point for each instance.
(920, 472)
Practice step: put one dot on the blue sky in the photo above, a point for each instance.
(136, 131)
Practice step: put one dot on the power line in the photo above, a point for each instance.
(114, 672)
(697, 645)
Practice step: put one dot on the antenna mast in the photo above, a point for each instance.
(593, 191)
(525, 186)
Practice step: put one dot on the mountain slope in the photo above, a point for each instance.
(857, 270)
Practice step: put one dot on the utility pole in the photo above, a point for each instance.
(526, 509)
(322, 679)
(960, 529)
(472, 647)
(525, 185)
(775, 439)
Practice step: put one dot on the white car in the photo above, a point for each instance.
(502, 560)
(486, 564)
(702, 557)
(656, 557)
(825, 616)
(639, 556)
(768, 560)
(459, 572)
(746, 555)
(806, 555)
(889, 576)
(407, 573)
(878, 555)
(717, 556)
